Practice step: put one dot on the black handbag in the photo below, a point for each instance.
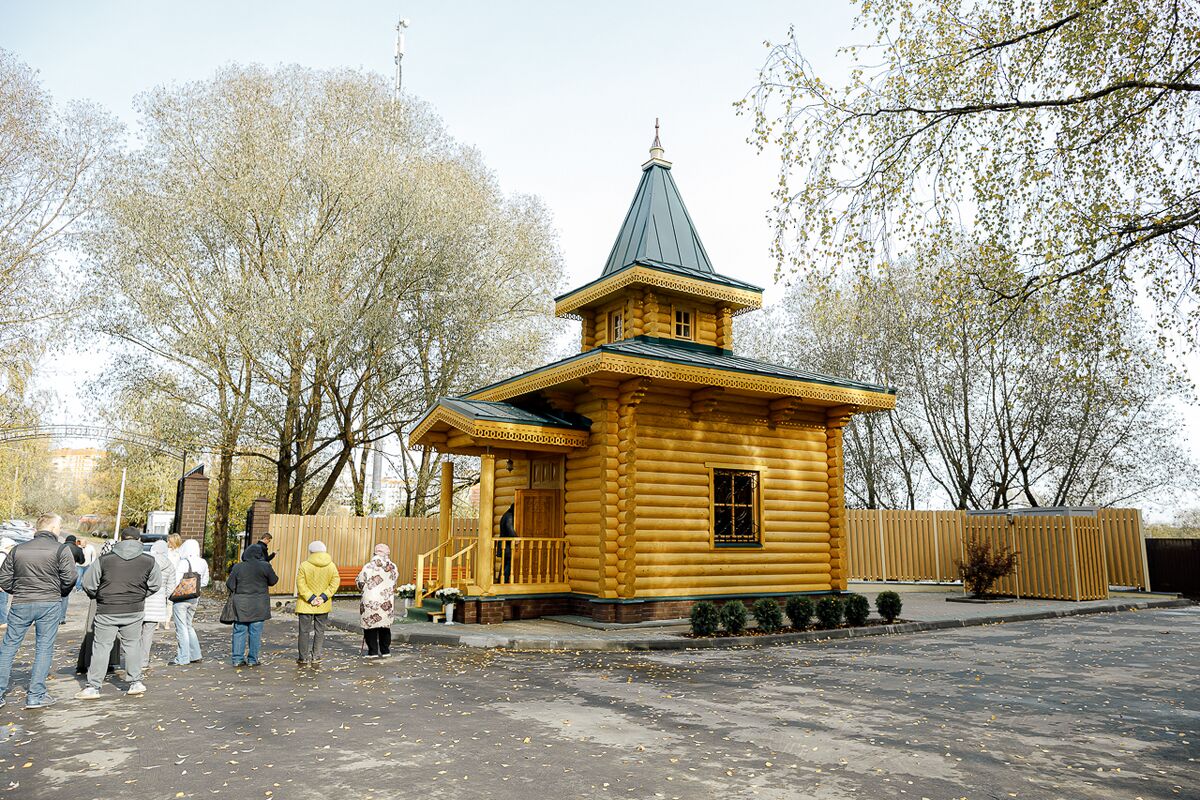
(228, 613)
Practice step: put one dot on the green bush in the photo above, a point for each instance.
(768, 615)
(706, 620)
(888, 604)
(856, 609)
(829, 612)
(800, 611)
(733, 617)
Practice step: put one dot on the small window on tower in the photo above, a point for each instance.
(683, 324)
(616, 326)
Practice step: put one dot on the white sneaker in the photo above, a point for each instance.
(88, 693)
(138, 688)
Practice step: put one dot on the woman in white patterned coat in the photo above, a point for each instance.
(377, 608)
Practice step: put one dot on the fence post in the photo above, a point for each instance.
(882, 548)
(1074, 554)
(937, 551)
(1142, 548)
(299, 553)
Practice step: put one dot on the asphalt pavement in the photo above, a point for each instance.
(1099, 706)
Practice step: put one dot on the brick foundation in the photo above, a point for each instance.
(504, 609)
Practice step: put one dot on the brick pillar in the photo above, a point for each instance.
(192, 509)
(258, 518)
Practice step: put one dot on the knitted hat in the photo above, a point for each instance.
(317, 547)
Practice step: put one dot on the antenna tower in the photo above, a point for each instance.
(401, 25)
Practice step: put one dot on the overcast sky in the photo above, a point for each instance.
(559, 97)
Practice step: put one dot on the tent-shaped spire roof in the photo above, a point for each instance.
(657, 230)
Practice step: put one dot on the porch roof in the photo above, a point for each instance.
(468, 427)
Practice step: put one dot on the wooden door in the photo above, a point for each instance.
(538, 513)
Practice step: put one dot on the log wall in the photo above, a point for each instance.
(674, 452)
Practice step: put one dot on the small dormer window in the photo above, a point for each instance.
(683, 324)
(616, 326)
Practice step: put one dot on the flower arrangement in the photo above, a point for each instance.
(408, 590)
(448, 595)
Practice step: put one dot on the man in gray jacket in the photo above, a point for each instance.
(120, 582)
(38, 574)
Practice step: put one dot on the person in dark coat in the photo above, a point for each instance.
(77, 555)
(263, 543)
(84, 661)
(249, 586)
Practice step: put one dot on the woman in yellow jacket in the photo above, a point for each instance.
(316, 582)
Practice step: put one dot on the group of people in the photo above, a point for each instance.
(133, 593)
(317, 581)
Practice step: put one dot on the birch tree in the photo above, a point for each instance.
(51, 161)
(1063, 133)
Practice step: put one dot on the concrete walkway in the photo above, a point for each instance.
(925, 608)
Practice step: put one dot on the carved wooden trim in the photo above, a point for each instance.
(741, 298)
(602, 361)
(704, 401)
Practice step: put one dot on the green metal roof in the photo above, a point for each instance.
(507, 412)
(699, 355)
(657, 229)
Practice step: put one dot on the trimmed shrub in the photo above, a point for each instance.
(800, 611)
(706, 620)
(733, 617)
(856, 609)
(768, 615)
(829, 611)
(888, 604)
(982, 566)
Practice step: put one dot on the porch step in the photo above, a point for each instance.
(430, 607)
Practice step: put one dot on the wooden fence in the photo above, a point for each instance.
(1061, 557)
(924, 545)
(1124, 547)
(351, 541)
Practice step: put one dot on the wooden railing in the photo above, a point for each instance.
(431, 570)
(528, 561)
(459, 569)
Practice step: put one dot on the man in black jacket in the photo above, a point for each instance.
(38, 574)
(77, 554)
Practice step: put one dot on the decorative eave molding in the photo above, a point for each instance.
(737, 299)
(854, 400)
(487, 432)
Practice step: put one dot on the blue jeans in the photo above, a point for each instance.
(188, 645)
(79, 570)
(63, 607)
(3, 607)
(241, 632)
(43, 618)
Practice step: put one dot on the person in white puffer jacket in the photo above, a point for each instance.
(186, 557)
(158, 605)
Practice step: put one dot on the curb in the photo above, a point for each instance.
(490, 641)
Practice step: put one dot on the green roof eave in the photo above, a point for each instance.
(670, 269)
(697, 355)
